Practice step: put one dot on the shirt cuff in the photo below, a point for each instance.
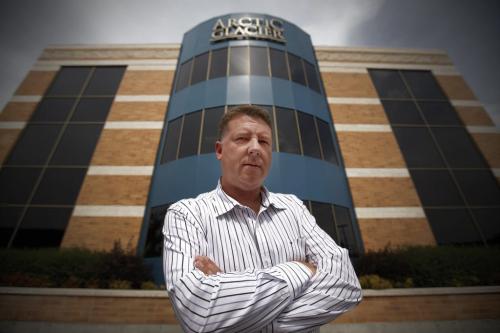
(296, 274)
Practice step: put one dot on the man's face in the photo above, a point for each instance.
(245, 152)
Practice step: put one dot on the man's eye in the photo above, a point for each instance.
(264, 142)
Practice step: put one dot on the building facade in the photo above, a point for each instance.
(386, 147)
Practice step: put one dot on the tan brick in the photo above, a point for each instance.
(379, 233)
(383, 192)
(127, 147)
(489, 144)
(474, 116)
(146, 83)
(114, 190)
(370, 150)
(8, 138)
(138, 111)
(15, 111)
(100, 233)
(358, 114)
(455, 87)
(35, 83)
(348, 85)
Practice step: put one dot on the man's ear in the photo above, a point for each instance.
(218, 150)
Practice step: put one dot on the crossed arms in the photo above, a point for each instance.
(288, 296)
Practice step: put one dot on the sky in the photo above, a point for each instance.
(468, 30)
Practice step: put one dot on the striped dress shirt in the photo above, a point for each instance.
(263, 287)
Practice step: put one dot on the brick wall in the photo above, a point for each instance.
(153, 307)
(135, 145)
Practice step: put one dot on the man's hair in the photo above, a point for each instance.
(253, 111)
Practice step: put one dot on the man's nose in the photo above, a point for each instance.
(254, 147)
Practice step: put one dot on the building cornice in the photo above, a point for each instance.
(380, 55)
(107, 52)
(171, 51)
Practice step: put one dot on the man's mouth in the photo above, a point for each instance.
(252, 165)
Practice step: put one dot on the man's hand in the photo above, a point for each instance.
(309, 265)
(206, 265)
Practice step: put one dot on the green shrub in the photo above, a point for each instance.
(120, 284)
(438, 266)
(149, 285)
(72, 268)
(374, 281)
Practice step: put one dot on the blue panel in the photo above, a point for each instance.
(308, 178)
(282, 93)
(177, 104)
(184, 178)
(215, 93)
(302, 98)
(201, 95)
(238, 89)
(261, 91)
(196, 97)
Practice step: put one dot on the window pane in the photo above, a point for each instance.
(9, 217)
(287, 131)
(323, 214)
(218, 63)
(77, 145)
(59, 186)
(190, 134)
(269, 109)
(439, 113)
(105, 81)
(53, 109)
(183, 75)
(259, 64)
(436, 188)
(42, 227)
(210, 129)
(458, 147)
(423, 85)
(35, 145)
(69, 81)
(312, 76)
(417, 147)
(344, 226)
(326, 139)
(452, 226)
(479, 187)
(309, 135)
(402, 112)
(489, 222)
(388, 83)
(92, 109)
(172, 140)
(200, 68)
(296, 69)
(279, 66)
(239, 61)
(16, 184)
(154, 240)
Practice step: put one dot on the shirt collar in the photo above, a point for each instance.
(228, 203)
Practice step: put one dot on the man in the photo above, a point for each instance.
(242, 259)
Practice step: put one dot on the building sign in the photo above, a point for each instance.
(248, 27)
